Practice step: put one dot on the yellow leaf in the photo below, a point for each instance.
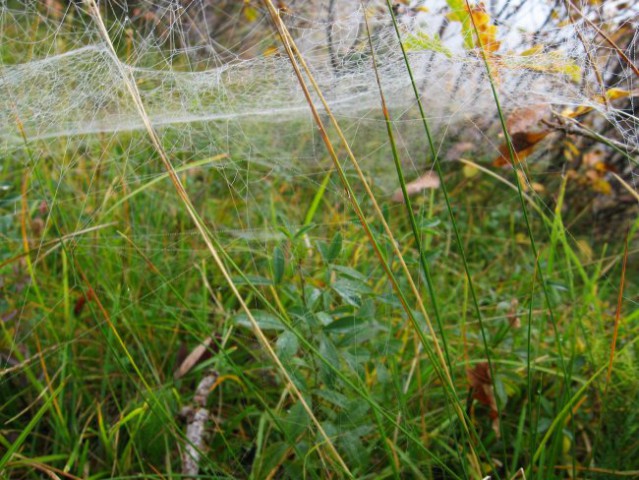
(470, 171)
(580, 110)
(537, 49)
(601, 185)
(422, 41)
(615, 93)
(566, 444)
(552, 62)
(481, 19)
(521, 238)
(269, 51)
(573, 148)
(250, 13)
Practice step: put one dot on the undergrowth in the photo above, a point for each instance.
(528, 366)
(110, 407)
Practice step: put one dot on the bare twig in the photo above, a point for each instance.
(209, 240)
(572, 127)
(329, 36)
(591, 60)
(610, 41)
(195, 426)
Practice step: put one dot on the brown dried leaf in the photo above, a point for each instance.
(426, 181)
(199, 354)
(482, 387)
(528, 119)
(526, 130)
(82, 300)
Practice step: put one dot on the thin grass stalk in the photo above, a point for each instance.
(295, 58)
(411, 215)
(513, 159)
(613, 344)
(460, 246)
(155, 140)
(407, 200)
(440, 365)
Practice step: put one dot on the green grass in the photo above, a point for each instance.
(98, 397)
(105, 286)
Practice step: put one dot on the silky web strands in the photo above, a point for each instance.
(210, 72)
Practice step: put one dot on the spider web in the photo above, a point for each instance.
(221, 93)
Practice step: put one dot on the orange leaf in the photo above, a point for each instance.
(482, 388)
(526, 130)
(523, 145)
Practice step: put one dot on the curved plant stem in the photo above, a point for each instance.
(155, 140)
(517, 167)
(439, 362)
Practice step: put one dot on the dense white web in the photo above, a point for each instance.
(215, 80)
(69, 84)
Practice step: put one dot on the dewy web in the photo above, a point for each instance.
(66, 83)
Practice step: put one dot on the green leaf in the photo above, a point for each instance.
(278, 264)
(383, 375)
(252, 280)
(350, 272)
(558, 286)
(354, 448)
(328, 351)
(287, 345)
(335, 248)
(333, 397)
(428, 226)
(421, 41)
(324, 318)
(345, 324)
(351, 291)
(265, 320)
(296, 421)
(367, 310)
(459, 13)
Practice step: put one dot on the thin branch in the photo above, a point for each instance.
(610, 41)
(196, 425)
(575, 128)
